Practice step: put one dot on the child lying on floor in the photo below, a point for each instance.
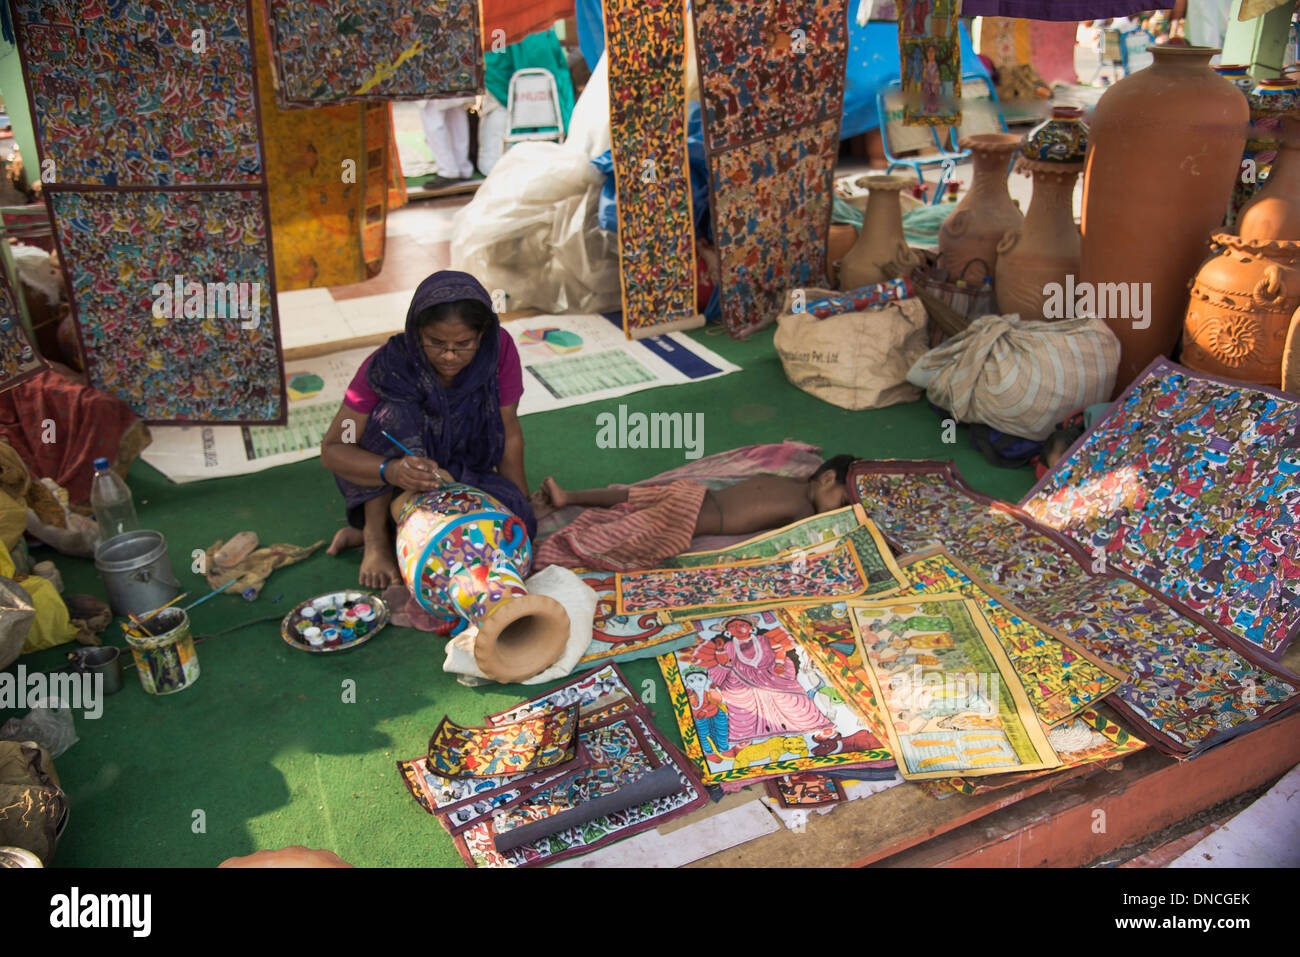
(639, 527)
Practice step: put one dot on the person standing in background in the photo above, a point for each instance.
(446, 131)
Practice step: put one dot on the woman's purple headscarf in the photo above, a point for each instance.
(459, 427)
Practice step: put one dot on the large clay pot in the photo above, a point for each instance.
(1241, 310)
(464, 556)
(985, 214)
(1164, 152)
(881, 243)
(1045, 249)
(1274, 212)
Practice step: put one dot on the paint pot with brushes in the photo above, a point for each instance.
(164, 653)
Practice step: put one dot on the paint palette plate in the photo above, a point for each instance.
(335, 621)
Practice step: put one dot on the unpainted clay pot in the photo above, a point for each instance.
(986, 213)
(1274, 212)
(881, 243)
(1164, 152)
(1241, 310)
(1045, 249)
(464, 557)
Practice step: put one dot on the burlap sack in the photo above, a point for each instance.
(858, 360)
(33, 808)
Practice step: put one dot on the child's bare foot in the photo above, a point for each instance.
(541, 503)
(378, 566)
(558, 496)
(347, 537)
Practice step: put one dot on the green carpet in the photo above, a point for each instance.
(264, 744)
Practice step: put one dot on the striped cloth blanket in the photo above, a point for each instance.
(1020, 377)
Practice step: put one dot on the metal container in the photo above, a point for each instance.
(136, 572)
(105, 660)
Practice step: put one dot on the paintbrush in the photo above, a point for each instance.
(403, 448)
(216, 591)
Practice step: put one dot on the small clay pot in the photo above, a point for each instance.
(880, 245)
(1241, 312)
(970, 235)
(1046, 248)
(1276, 96)
(1061, 139)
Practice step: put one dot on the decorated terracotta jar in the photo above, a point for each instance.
(1275, 96)
(464, 556)
(1241, 309)
(1237, 74)
(1061, 139)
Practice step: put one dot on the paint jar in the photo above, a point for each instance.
(329, 614)
(166, 660)
(313, 636)
(347, 634)
(330, 634)
(309, 612)
(361, 627)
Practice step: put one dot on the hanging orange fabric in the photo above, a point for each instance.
(518, 18)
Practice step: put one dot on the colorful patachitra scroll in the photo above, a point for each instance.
(1191, 484)
(337, 51)
(328, 182)
(147, 127)
(19, 361)
(751, 704)
(929, 53)
(952, 702)
(646, 46)
(1192, 683)
(771, 85)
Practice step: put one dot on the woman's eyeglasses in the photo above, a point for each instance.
(438, 348)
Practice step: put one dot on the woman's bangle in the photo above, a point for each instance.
(383, 466)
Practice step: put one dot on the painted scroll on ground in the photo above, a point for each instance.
(147, 128)
(951, 700)
(1192, 683)
(327, 52)
(646, 47)
(19, 360)
(751, 704)
(771, 86)
(1191, 484)
(1060, 677)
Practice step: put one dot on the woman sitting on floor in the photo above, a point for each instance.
(448, 389)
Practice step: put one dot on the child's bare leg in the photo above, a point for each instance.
(378, 561)
(598, 497)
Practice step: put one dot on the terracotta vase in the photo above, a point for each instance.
(1045, 250)
(881, 243)
(463, 556)
(985, 214)
(1061, 139)
(1274, 212)
(1241, 310)
(1164, 152)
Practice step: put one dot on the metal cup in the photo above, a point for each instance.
(105, 660)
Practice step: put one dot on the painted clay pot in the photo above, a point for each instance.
(1275, 96)
(881, 243)
(464, 556)
(1061, 139)
(1237, 74)
(1045, 249)
(1164, 152)
(1274, 212)
(295, 856)
(1242, 304)
(986, 213)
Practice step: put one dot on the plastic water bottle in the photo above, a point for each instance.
(112, 502)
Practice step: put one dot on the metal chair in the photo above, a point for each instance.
(533, 108)
(897, 138)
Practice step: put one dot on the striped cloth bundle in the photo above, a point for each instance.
(1020, 377)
